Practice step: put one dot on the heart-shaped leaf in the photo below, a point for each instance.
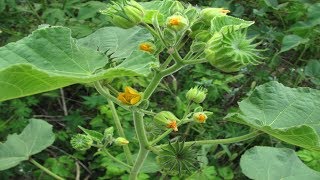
(289, 114)
(292, 41)
(50, 58)
(266, 163)
(116, 42)
(35, 137)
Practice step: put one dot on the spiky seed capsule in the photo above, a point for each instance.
(197, 94)
(81, 142)
(177, 158)
(231, 51)
(120, 141)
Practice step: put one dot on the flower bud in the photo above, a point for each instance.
(200, 117)
(126, 14)
(120, 141)
(191, 13)
(177, 22)
(81, 142)
(167, 119)
(147, 47)
(108, 132)
(209, 13)
(175, 7)
(197, 94)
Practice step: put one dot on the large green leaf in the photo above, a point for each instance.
(35, 137)
(289, 114)
(50, 58)
(116, 42)
(266, 163)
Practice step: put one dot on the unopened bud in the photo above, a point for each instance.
(120, 141)
(209, 13)
(197, 94)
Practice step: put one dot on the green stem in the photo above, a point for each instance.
(117, 122)
(196, 61)
(116, 159)
(107, 95)
(45, 169)
(143, 142)
(167, 132)
(112, 90)
(221, 141)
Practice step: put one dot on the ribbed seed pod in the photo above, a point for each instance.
(232, 51)
(177, 158)
(81, 142)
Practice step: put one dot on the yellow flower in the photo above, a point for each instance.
(177, 22)
(200, 117)
(173, 125)
(147, 46)
(129, 96)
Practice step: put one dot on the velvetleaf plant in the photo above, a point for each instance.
(146, 40)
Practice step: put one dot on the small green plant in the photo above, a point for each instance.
(156, 39)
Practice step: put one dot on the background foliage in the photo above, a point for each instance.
(289, 30)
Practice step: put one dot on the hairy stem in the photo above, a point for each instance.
(221, 141)
(143, 142)
(45, 169)
(107, 95)
(167, 132)
(116, 159)
(117, 122)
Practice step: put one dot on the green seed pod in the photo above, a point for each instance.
(120, 141)
(177, 158)
(198, 27)
(176, 7)
(231, 51)
(125, 14)
(167, 119)
(209, 13)
(191, 13)
(81, 142)
(177, 23)
(197, 94)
